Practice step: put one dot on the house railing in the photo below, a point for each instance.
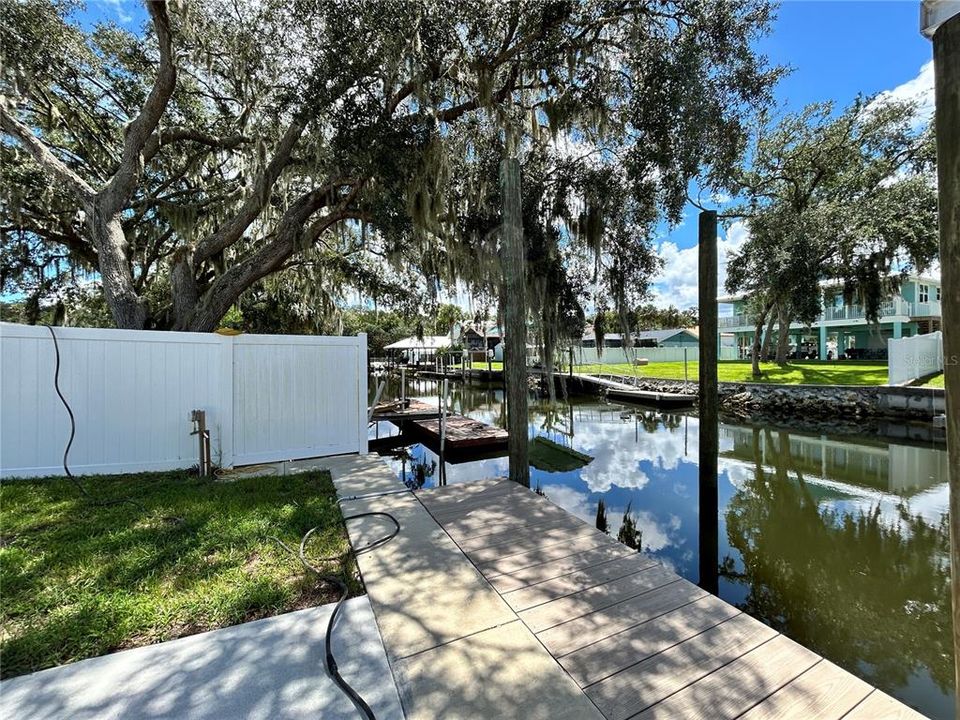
(892, 308)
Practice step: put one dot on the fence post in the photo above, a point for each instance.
(362, 392)
(225, 417)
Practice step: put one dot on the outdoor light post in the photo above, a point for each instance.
(940, 21)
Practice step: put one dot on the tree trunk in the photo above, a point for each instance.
(106, 232)
(513, 263)
(946, 60)
(768, 335)
(783, 335)
(757, 343)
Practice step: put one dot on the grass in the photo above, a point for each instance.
(936, 381)
(79, 580)
(795, 373)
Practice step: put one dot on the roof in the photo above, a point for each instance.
(429, 342)
(663, 335)
(491, 332)
(657, 335)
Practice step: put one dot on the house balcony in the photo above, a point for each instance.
(897, 308)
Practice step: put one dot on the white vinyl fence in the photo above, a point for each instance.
(266, 398)
(914, 357)
(613, 356)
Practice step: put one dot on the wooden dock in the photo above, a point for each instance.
(639, 640)
(412, 409)
(630, 636)
(462, 432)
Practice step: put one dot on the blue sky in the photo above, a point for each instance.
(837, 50)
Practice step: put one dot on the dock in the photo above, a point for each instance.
(411, 409)
(461, 432)
(494, 602)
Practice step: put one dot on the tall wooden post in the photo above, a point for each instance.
(513, 263)
(946, 63)
(709, 404)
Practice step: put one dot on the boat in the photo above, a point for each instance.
(650, 397)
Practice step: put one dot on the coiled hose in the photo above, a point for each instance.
(337, 581)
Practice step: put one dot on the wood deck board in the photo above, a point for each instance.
(472, 541)
(596, 598)
(541, 555)
(416, 409)
(452, 496)
(577, 633)
(736, 687)
(639, 641)
(508, 510)
(555, 588)
(601, 659)
(461, 432)
(824, 691)
(477, 535)
(880, 706)
(563, 566)
(569, 536)
(639, 686)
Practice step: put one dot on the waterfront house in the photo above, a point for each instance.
(842, 330)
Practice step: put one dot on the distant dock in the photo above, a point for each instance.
(461, 432)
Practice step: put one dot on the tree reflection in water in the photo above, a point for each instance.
(869, 591)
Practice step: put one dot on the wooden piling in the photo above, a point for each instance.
(513, 262)
(709, 403)
(946, 61)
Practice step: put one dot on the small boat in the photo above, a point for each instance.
(649, 397)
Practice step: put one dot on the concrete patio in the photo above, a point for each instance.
(270, 669)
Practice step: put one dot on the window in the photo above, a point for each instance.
(924, 294)
(938, 293)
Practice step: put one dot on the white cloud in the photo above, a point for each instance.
(120, 8)
(677, 282)
(918, 89)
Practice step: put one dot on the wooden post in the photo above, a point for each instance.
(513, 264)
(709, 404)
(946, 63)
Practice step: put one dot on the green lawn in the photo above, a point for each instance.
(936, 381)
(812, 373)
(79, 581)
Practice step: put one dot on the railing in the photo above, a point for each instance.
(896, 307)
(734, 321)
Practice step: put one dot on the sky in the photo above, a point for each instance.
(837, 49)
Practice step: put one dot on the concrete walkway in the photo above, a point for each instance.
(456, 648)
(270, 669)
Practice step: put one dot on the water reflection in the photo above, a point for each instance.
(840, 543)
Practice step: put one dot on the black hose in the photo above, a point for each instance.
(95, 501)
(337, 581)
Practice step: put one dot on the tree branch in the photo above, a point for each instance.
(51, 164)
(121, 186)
(170, 135)
(233, 229)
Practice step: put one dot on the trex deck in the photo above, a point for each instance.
(564, 621)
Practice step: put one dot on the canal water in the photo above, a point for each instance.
(841, 543)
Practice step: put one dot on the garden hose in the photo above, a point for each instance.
(341, 585)
(95, 501)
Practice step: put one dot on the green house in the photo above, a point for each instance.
(843, 330)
